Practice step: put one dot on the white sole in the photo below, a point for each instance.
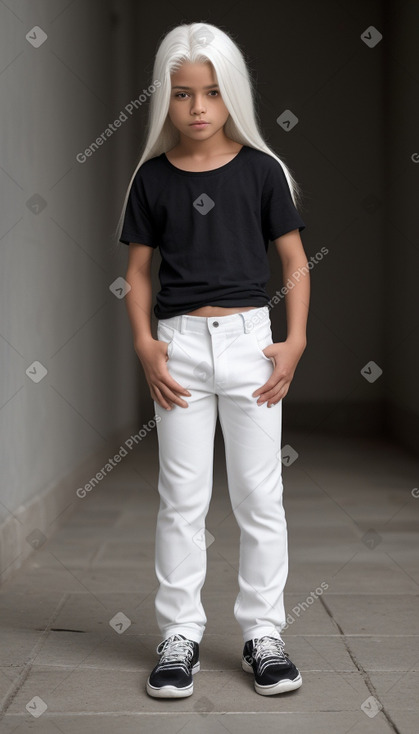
(284, 685)
(172, 691)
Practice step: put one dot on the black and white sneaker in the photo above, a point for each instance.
(172, 676)
(273, 670)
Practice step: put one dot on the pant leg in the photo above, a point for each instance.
(186, 448)
(252, 438)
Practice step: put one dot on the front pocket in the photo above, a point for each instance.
(263, 340)
(166, 334)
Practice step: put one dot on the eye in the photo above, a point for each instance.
(178, 94)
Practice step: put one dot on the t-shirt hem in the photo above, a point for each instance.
(257, 303)
(287, 230)
(137, 239)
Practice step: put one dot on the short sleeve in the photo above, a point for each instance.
(138, 223)
(279, 214)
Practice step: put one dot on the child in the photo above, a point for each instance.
(210, 194)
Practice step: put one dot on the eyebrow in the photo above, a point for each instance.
(209, 86)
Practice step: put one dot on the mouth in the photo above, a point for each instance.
(199, 124)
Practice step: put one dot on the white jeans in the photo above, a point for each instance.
(221, 362)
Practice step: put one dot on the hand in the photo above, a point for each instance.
(163, 388)
(286, 357)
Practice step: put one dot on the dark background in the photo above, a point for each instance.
(351, 153)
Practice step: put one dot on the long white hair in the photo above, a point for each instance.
(200, 43)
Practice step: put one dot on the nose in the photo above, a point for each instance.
(197, 106)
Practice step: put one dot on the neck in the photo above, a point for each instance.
(214, 145)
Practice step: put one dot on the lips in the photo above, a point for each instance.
(198, 124)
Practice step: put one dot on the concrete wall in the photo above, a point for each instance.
(57, 260)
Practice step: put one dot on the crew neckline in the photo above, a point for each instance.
(210, 172)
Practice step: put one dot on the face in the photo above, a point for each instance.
(198, 99)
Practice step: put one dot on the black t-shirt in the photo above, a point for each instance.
(212, 228)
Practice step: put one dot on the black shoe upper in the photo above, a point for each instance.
(269, 661)
(178, 656)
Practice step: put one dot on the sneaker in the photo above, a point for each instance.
(273, 670)
(172, 676)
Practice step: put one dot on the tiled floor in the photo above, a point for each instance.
(353, 525)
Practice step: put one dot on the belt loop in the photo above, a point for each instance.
(245, 324)
(182, 323)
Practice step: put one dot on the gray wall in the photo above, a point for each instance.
(57, 264)
(351, 153)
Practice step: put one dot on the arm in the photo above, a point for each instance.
(294, 262)
(287, 354)
(138, 299)
(151, 352)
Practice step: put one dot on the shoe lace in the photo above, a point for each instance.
(175, 648)
(264, 647)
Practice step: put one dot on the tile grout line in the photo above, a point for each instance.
(46, 667)
(20, 680)
(360, 668)
(57, 714)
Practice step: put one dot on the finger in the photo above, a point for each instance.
(171, 396)
(271, 386)
(274, 380)
(158, 397)
(277, 398)
(265, 388)
(173, 385)
(275, 393)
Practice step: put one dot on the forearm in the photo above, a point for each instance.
(297, 298)
(138, 303)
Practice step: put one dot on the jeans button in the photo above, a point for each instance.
(215, 323)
